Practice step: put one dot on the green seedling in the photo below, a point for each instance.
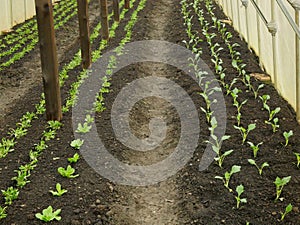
(298, 158)
(286, 136)
(227, 176)
(67, 172)
(41, 146)
(221, 157)
(255, 148)
(255, 91)
(59, 191)
(77, 143)
(280, 183)
(3, 212)
(239, 107)
(21, 179)
(229, 87)
(48, 135)
(18, 132)
(265, 99)
(288, 209)
(55, 125)
(89, 119)
(244, 132)
(85, 128)
(273, 113)
(10, 194)
(48, 215)
(260, 169)
(239, 190)
(274, 124)
(74, 159)
(6, 146)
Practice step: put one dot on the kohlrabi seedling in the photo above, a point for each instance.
(298, 158)
(255, 148)
(48, 215)
(244, 132)
(67, 172)
(239, 190)
(77, 143)
(286, 136)
(260, 169)
(274, 124)
(288, 209)
(59, 191)
(227, 176)
(280, 183)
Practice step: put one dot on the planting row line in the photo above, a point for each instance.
(7, 144)
(237, 63)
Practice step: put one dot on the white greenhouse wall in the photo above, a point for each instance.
(13, 12)
(260, 40)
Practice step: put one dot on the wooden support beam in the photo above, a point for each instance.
(116, 8)
(104, 19)
(44, 15)
(84, 31)
(127, 4)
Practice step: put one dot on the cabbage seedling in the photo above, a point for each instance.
(48, 214)
(227, 176)
(244, 132)
(59, 191)
(255, 148)
(255, 92)
(77, 143)
(288, 209)
(298, 158)
(260, 169)
(280, 183)
(273, 113)
(221, 157)
(10, 194)
(286, 136)
(239, 190)
(67, 172)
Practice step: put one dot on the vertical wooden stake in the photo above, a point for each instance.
(127, 4)
(84, 31)
(104, 19)
(116, 7)
(44, 15)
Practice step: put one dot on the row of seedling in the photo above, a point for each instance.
(23, 175)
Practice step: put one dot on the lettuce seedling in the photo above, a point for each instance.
(77, 143)
(10, 194)
(298, 158)
(74, 159)
(239, 190)
(55, 125)
(89, 119)
(48, 214)
(59, 191)
(255, 148)
(85, 128)
(21, 179)
(3, 212)
(280, 183)
(67, 172)
(260, 169)
(288, 209)
(227, 176)
(286, 136)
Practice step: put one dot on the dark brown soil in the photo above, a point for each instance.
(190, 196)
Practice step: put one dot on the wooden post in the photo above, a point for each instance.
(44, 15)
(116, 7)
(127, 4)
(84, 31)
(104, 19)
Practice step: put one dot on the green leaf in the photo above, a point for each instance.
(240, 189)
